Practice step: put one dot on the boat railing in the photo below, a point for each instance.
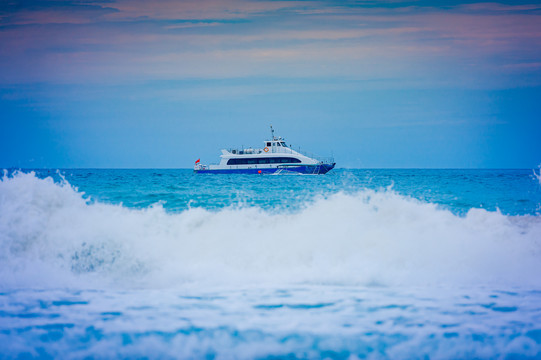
(321, 159)
(282, 150)
(245, 151)
(325, 160)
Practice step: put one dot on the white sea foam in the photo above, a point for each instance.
(51, 236)
(538, 175)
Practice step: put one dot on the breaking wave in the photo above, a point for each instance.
(52, 236)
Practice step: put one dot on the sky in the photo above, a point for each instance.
(375, 83)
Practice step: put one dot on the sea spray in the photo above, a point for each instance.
(537, 176)
(52, 235)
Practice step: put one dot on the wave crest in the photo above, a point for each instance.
(52, 236)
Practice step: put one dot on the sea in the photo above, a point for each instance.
(354, 264)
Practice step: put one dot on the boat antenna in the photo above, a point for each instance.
(272, 133)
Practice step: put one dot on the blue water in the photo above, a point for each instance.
(513, 192)
(408, 264)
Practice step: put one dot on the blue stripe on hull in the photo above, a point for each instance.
(303, 169)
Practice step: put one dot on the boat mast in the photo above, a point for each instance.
(272, 133)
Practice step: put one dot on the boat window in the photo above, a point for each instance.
(268, 144)
(283, 144)
(273, 160)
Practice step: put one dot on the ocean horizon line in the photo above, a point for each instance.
(337, 168)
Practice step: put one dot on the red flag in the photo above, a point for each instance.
(198, 160)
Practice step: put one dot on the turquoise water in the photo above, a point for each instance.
(379, 264)
(513, 192)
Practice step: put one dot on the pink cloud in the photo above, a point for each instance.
(488, 6)
(197, 9)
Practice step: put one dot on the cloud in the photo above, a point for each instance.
(53, 12)
(141, 40)
(197, 9)
(489, 7)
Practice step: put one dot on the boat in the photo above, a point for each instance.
(276, 157)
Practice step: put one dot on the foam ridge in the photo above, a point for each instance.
(51, 235)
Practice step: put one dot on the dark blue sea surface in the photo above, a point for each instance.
(368, 264)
